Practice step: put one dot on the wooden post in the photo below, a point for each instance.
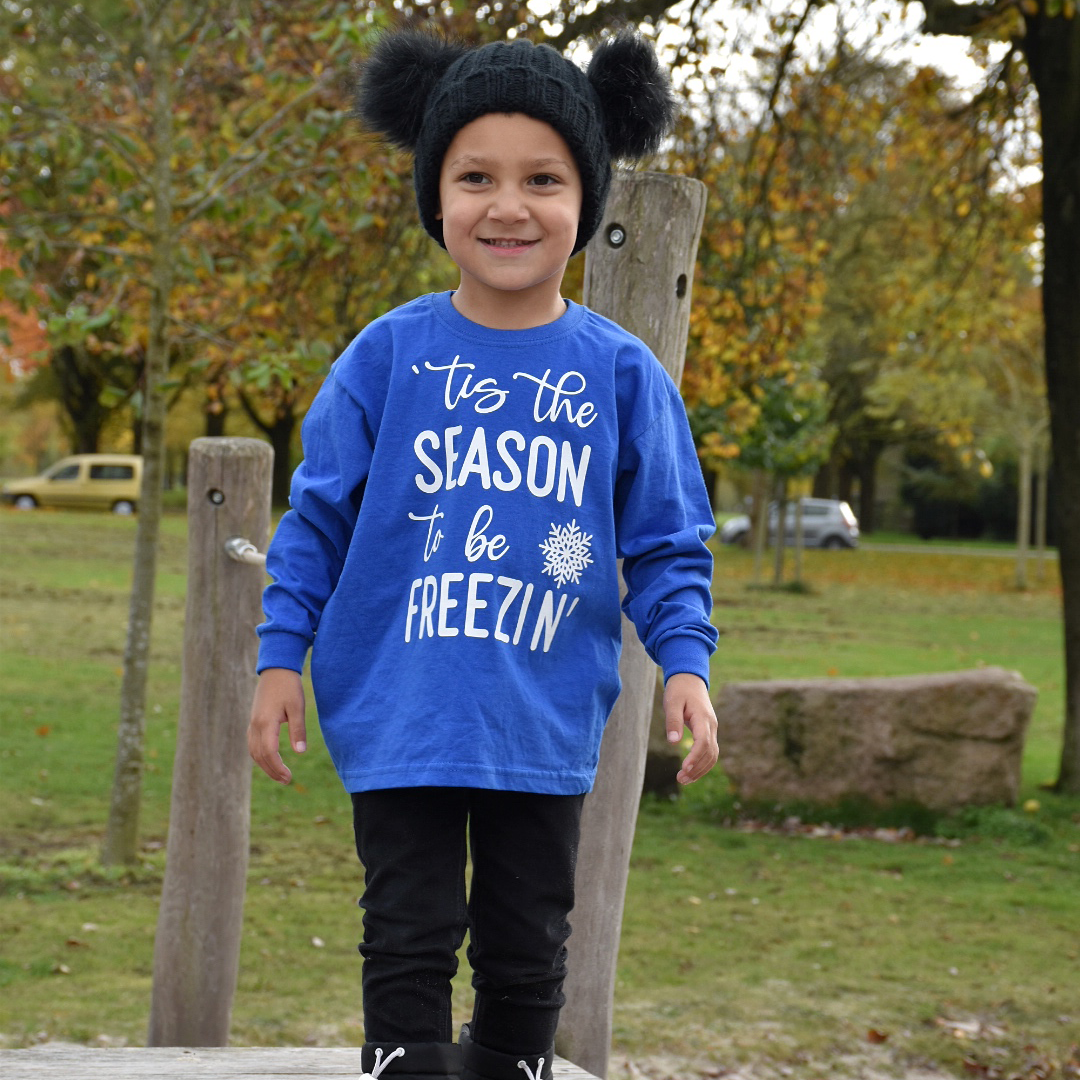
(197, 948)
(638, 271)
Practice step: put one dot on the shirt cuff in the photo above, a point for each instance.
(685, 653)
(279, 649)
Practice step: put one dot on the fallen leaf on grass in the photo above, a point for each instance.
(875, 1036)
(795, 826)
(968, 1029)
(1071, 1068)
(1038, 1068)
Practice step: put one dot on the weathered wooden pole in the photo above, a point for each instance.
(638, 271)
(197, 948)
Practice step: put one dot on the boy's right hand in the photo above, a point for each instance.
(279, 700)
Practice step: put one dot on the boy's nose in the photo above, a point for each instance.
(508, 207)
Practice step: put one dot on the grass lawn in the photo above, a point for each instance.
(744, 947)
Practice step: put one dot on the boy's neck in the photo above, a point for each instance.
(500, 310)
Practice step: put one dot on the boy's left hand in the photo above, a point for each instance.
(687, 703)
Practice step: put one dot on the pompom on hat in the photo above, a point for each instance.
(418, 90)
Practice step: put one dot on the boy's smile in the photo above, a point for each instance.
(510, 200)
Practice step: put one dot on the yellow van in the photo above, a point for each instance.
(84, 481)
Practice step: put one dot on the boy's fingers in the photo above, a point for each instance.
(704, 753)
(675, 711)
(277, 770)
(297, 730)
(689, 771)
(264, 751)
(692, 769)
(674, 724)
(263, 748)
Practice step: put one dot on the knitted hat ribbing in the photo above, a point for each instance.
(420, 91)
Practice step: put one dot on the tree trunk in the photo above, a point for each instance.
(281, 438)
(711, 477)
(79, 391)
(1041, 500)
(122, 832)
(826, 482)
(280, 433)
(868, 467)
(846, 482)
(797, 553)
(1052, 46)
(759, 523)
(215, 422)
(780, 539)
(1023, 513)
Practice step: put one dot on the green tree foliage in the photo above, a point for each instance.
(149, 142)
(1045, 36)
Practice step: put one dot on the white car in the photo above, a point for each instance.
(827, 523)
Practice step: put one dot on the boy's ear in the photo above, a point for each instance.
(639, 107)
(392, 86)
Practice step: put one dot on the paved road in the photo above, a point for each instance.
(930, 548)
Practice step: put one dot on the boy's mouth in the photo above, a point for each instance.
(504, 244)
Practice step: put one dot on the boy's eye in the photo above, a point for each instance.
(473, 178)
(544, 180)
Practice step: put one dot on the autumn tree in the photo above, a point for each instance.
(143, 182)
(759, 281)
(1016, 409)
(790, 439)
(1044, 36)
(919, 216)
(85, 361)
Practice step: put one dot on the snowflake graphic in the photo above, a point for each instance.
(566, 553)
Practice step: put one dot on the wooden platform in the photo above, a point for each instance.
(62, 1061)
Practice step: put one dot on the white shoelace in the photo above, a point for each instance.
(529, 1073)
(379, 1065)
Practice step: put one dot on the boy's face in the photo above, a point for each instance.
(510, 199)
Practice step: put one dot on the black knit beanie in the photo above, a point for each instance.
(419, 90)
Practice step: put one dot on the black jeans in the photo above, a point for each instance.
(412, 842)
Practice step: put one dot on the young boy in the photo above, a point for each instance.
(475, 464)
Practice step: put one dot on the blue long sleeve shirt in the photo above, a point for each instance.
(450, 555)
